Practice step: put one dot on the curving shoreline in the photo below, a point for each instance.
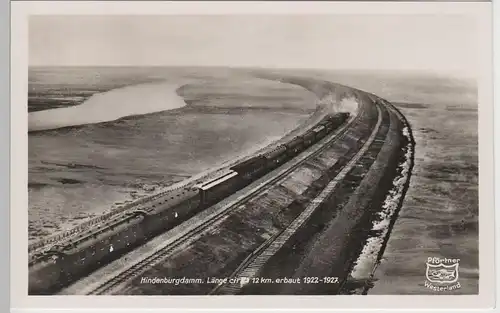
(109, 106)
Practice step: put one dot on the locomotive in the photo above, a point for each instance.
(84, 253)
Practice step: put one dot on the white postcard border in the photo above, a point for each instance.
(20, 301)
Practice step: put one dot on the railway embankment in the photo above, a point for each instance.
(266, 215)
(339, 237)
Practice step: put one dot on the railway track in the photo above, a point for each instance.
(194, 232)
(251, 266)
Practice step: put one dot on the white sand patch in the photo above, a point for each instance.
(110, 106)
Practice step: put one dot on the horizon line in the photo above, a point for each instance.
(454, 74)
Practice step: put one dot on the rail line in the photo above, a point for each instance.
(196, 231)
(255, 261)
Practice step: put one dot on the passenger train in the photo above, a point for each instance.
(80, 255)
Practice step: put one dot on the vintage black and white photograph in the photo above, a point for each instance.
(253, 154)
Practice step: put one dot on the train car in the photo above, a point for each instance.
(218, 188)
(168, 211)
(101, 245)
(84, 253)
(251, 168)
(309, 137)
(171, 199)
(275, 157)
(319, 131)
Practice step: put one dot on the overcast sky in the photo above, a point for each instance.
(417, 42)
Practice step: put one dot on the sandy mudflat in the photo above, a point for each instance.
(110, 105)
